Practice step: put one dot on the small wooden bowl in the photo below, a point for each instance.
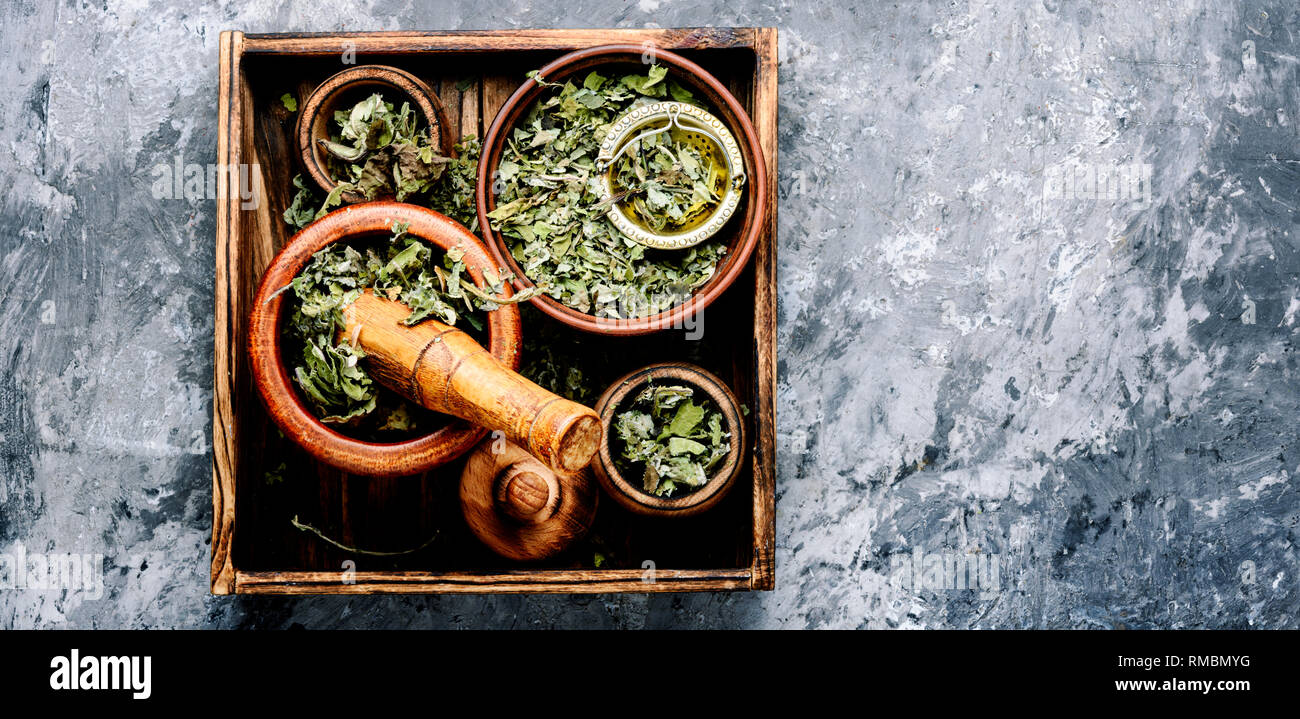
(725, 106)
(271, 377)
(351, 86)
(628, 493)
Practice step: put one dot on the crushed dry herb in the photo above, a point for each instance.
(327, 368)
(548, 208)
(672, 440)
(669, 184)
(559, 361)
(380, 151)
(452, 193)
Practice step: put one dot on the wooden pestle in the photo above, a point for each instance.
(444, 369)
(520, 508)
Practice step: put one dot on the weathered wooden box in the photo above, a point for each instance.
(260, 481)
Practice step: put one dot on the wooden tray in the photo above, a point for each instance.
(261, 481)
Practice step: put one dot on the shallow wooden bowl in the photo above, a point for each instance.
(271, 376)
(743, 231)
(627, 491)
(351, 86)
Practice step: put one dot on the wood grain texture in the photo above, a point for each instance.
(496, 90)
(471, 100)
(764, 462)
(316, 44)
(225, 444)
(519, 507)
(729, 548)
(524, 581)
(449, 91)
(442, 368)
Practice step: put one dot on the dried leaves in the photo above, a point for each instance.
(403, 168)
(674, 441)
(548, 205)
(381, 152)
(452, 193)
(670, 184)
(402, 268)
(562, 361)
(431, 283)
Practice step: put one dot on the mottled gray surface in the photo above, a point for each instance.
(971, 362)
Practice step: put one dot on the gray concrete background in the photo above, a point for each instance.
(974, 360)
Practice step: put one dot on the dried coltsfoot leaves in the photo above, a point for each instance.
(548, 209)
(671, 439)
(327, 368)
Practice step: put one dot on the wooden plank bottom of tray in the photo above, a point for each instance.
(529, 581)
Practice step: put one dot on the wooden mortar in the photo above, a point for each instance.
(278, 390)
(519, 507)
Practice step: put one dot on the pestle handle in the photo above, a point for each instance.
(445, 370)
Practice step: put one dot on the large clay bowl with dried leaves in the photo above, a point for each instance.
(343, 90)
(272, 378)
(741, 235)
(627, 490)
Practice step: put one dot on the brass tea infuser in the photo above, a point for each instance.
(686, 124)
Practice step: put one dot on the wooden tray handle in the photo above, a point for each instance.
(444, 369)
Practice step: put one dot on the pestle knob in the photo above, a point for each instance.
(444, 369)
(520, 508)
(527, 491)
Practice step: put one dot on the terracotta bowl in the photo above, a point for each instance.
(747, 225)
(272, 378)
(627, 490)
(351, 86)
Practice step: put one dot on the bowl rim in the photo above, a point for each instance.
(632, 496)
(327, 93)
(271, 376)
(753, 221)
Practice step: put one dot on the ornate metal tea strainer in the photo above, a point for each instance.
(697, 125)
